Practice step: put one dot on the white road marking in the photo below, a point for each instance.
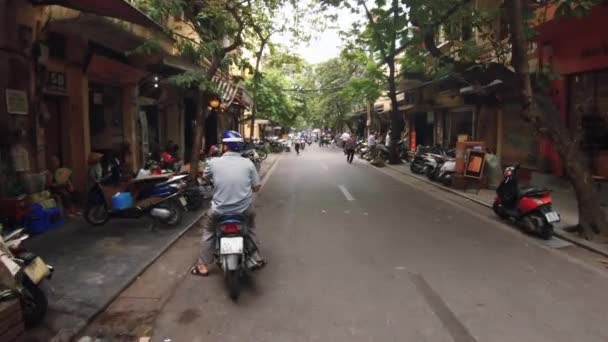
(346, 194)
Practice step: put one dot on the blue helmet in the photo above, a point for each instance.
(233, 140)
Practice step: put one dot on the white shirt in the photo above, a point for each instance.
(233, 179)
(371, 140)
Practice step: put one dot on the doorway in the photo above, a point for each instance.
(53, 133)
(424, 129)
(211, 136)
(189, 127)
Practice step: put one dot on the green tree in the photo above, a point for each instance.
(386, 33)
(274, 100)
(222, 26)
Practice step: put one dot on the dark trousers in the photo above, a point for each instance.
(350, 154)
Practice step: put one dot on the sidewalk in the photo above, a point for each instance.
(564, 201)
(93, 265)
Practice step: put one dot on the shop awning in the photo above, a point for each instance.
(119, 9)
(105, 69)
(226, 89)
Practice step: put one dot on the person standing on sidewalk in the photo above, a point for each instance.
(349, 148)
(371, 144)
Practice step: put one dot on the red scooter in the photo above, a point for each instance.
(529, 207)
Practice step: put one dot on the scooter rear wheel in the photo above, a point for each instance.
(96, 214)
(546, 232)
(233, 284)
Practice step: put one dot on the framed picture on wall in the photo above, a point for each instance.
(16, 102)
(475, 164)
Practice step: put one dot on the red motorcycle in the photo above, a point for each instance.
(529, 207)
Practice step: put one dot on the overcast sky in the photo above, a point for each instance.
(323, 45)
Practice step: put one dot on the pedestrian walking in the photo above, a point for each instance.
(297, 146)
(349, 148)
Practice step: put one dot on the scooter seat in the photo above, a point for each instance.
(231, 218)
(533, 191)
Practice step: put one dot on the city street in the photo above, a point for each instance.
(356, 254)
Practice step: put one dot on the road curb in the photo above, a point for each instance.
(78, 329)
(562, 235)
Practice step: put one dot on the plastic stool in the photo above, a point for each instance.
(41, 220)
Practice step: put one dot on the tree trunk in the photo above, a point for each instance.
(370, 119)
(396, 120)
(256, 79)
(591, 216)
(202, 109)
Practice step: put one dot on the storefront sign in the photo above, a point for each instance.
(56, 82)
(16, 102)
(474, 165)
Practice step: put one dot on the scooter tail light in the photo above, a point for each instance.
(230, 228)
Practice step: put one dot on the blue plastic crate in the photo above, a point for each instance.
(41, 220)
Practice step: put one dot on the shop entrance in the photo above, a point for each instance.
(424, 129)
(459, 123)
(105, 118)
(189, 127)
(54, 134)
(211, 136)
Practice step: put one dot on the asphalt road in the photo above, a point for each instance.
(358, 254)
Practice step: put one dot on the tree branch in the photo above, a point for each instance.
(238, 41)
(429, 33)
(370, 17)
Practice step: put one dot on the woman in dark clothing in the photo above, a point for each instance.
(349, 148)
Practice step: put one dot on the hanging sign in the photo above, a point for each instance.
(16, 102)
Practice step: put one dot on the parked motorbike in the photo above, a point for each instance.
(28, 271)
(362, 149)
(418, 163)
(233, 250)
(161, 197)
(402, 150)
(531, 207)
(447, 171)
(423, 154)
(441, 167)
(382, 153)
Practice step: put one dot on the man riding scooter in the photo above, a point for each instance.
(235, 180)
